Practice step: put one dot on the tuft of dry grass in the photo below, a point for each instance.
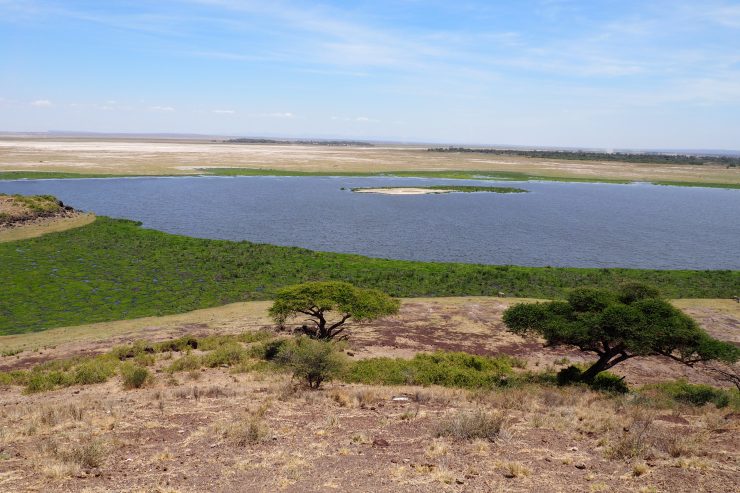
(244, 432)
(466, 425)
(513, 470)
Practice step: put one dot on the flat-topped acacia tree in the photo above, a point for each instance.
(317, 299)
(617, 326)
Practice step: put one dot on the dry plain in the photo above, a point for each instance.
(167, 156)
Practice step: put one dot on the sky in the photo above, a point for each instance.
(608, 74)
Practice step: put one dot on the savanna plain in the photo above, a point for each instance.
(135, 360)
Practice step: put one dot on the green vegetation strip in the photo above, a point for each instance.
(622, 157)
(113, 269)
(49, 175)
(452, 188)
(452, 175)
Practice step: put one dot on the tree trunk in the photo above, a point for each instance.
(601, 364)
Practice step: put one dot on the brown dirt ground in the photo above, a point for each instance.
(186, 434)
(190, 432)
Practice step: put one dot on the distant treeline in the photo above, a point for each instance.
(355, 143)
(628, 157)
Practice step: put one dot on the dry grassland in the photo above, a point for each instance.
(147, 157)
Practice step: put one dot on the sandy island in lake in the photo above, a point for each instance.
(402, 191)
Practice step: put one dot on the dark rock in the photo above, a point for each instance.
(380, 442)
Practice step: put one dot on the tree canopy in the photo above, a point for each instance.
(634, 321)
(316, 299)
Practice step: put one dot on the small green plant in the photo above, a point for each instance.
(188, 362)
(311, 360)
(134, 376)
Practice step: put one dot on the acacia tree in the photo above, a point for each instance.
(317, 299)
(617, 326)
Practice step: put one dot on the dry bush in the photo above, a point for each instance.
(466, 425)
(515, 470)
(342, 398)
(88, 453)
(676, 444)
(246, 431)
(214, 391)
(635, 441)
(367, 397)
(53, 415)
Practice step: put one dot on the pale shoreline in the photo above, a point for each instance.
(402, 191)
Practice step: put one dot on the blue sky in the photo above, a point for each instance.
(610, 74)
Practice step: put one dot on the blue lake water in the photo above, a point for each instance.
(556, 224)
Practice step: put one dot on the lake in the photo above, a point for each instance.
(556, 224)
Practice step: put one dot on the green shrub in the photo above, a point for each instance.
(41, 381)
(268, 350)
(569, 375)
(189, 362)
(449, 369)
(311, 360)
(609, 382)
(604, 381)
(228, 354)
(134, 376)
(698, 395)
(97, 370)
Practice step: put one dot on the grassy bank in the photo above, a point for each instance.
(451, 175)
(114, 269)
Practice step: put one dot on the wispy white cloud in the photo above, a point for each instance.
(224, 112)
(42, 103)
(162, 108)
(278, 115)
(359, 119)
